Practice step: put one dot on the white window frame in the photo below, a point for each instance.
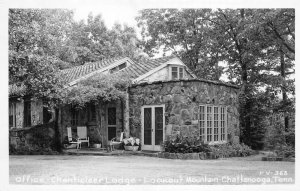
(224, 119)
(219, 120)
(209, 124)
(111, 125)
(178, 72)
(152, 146)
(13, 110)
(202, 123)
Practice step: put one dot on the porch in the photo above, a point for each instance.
(101, 121)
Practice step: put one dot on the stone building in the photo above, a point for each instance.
(166, 99)
(193, 107)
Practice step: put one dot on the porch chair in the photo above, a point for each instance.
(82, 135)
(70, 138)
(116, 141)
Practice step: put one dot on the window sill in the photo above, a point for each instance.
(216, 142)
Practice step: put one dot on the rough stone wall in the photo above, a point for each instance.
(32, 139)
(182, 100)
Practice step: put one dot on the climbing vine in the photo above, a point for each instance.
(98, 88)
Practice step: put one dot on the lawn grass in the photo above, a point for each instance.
(70, 169)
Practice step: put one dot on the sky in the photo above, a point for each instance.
(110, 14)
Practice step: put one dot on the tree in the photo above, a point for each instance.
(93, 41)
(254, 44)
(36, 37)
(252, 56)
(279, 29)
(125, 42)
(43, 41)
(186, 33)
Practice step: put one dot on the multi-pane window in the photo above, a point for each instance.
(174, 73)
(222, 121)
(177, 73)
(209, 123)
(46, 115)
(92, 112)
(159, 124)
(212, 123)
(12, 114)
(111, 122)
(216, 123)
(74, 116)
(27, 113)
(180, 73)
(111, 115)
(202, 122)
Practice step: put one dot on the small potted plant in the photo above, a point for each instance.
(131, 144)
(96, 144)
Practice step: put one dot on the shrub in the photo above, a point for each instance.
(285, 151)
(193, 145)
(132, 141)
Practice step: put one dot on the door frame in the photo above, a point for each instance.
(152, 147)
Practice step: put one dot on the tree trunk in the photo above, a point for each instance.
(283, 89)
(246, 103)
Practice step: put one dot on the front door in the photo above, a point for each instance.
(111, 123)
(152, 127)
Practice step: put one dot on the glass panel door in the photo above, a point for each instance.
(111, 123)
(153, 127)
(147, 126)
(158, 125)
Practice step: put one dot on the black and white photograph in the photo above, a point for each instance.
(172, 94)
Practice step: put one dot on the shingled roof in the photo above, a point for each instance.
(134, 71)
(138, 69)
(75, 73)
